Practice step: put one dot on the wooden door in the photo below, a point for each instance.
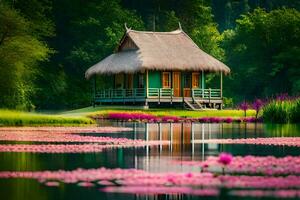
(119, 81)
(176, 84)
(195, 80)
(166, 79)
(129, 81)
(187, 85)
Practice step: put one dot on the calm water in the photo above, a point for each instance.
(183, 145)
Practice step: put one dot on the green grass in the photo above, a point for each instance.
(17, 118)
(83, 116)
(90, 111)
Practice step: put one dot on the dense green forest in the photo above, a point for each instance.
(46, 45)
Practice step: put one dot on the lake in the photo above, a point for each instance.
(182, 142)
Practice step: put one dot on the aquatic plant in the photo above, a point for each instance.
(65, 135)
(143, 182)
(52, 136)
(286, 193)
(73, 148)
(254, 165)
(276, 141)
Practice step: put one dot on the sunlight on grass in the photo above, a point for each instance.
(90, 111)
(18, 118)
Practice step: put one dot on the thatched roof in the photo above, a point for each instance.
(157, 51)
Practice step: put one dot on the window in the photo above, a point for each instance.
(141, 81)
(166, 80)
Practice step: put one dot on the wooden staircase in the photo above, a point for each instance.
(192, 105)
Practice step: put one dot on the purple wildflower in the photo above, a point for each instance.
(244, 106)
(282, 97)
(257, 105)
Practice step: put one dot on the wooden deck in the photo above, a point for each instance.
(199, 98)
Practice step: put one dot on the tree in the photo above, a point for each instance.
(20, 53)
(264, 47)
(95, 35)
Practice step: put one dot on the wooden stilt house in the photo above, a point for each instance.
(164, 68)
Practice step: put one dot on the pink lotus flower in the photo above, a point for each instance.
(225, 158)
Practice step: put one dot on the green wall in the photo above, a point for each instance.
(154, 79)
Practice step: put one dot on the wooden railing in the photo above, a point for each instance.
(155, 93)
(121, 93)
(195, 93)
(160, 92)
(206, 93)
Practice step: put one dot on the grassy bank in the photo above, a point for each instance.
(17, 118)
(90, 111)
(84, 116)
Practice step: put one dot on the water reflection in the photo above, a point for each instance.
(184, 143)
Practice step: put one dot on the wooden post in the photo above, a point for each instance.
(202, 83)
(182, 80)
(94, 95)
(147, 84)
(221, 85)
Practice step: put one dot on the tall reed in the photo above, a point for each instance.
(282, 111)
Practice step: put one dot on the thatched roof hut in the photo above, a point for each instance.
(143, 50)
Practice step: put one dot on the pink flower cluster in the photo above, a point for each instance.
(65, 130)
(45, 136)
(155, 190)
(66, 148)
(257, 165)
(152, 118)
(142, 182)
(266, 193)
(276, 141)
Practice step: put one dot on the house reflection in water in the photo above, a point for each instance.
(182, 141)
(182, 137)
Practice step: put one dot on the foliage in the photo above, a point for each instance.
(46, 45)
(17, 118)
(20, 52)
(95, 31)
(228, 102)
(264, 47)
(282, 111)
